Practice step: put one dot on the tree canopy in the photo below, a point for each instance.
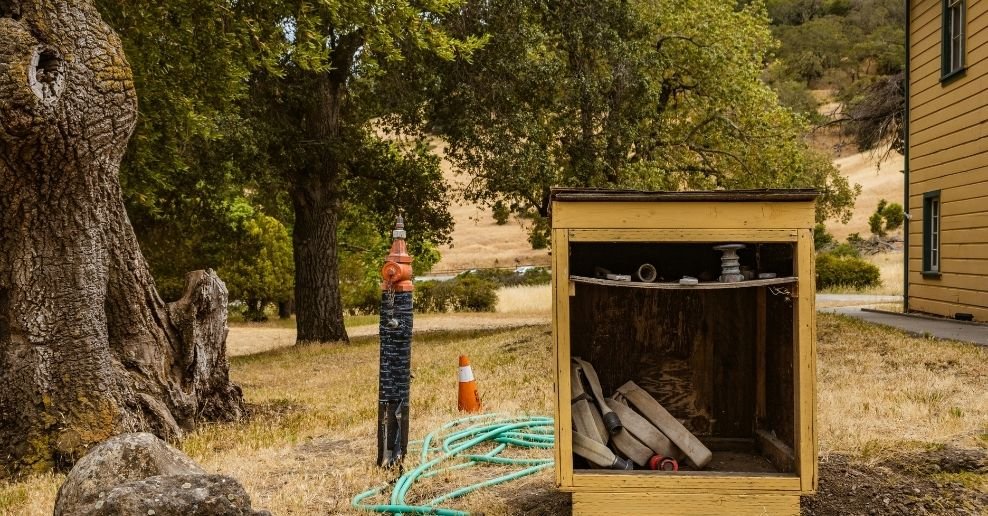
(313, 119)
(654, 94)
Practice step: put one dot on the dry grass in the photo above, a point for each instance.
(535, 299)
(881, 391)
(478, 241)
(34, 496)
(878, 181)
(310, 445)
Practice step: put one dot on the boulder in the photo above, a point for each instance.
(139, 474)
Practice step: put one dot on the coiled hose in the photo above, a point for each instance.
(504, 433)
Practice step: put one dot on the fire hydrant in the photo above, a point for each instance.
(396, 352)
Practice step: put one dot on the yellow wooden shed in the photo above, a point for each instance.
(732, 360)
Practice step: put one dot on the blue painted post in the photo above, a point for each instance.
(396, 352)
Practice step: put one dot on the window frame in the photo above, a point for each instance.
(947, 55)
(932, 234)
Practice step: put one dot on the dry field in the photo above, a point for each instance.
(478, 241)
(897, 415)
(878, 181)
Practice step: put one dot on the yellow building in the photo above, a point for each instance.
(947, 158)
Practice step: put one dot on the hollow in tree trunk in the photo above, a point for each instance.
(87, 347)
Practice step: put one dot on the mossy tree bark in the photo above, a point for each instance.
(87, 347)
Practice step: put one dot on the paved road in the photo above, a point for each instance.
(921, 325)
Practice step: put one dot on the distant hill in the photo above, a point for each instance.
(478, 241)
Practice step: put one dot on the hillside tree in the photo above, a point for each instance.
(650, 94)
(321, 108)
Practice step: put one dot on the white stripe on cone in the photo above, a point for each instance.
(466, 374)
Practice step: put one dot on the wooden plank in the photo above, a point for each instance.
(937, 307)
(685, 481)
(760, 359)
(561, 331)
(960, 171)
(951, 133)
(706, 215)
(963, 127)
(950, 279)
(965, 207)
(954, 265)
(972, 298)
(936, 124)
(712, 285)
(677, 504)
(969, 221)
(964, 190)
(682, 235)
(956, 243)
(931, 99)
(973, 148)
(925, 17)
(954, 208)
(805, 367)
(777, 452)
(953, 251)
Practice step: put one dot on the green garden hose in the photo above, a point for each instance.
(525, 433)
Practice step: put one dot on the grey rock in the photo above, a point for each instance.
(139, 474)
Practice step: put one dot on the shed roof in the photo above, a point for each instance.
(603, 195)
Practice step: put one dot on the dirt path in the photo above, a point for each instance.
(248, 340)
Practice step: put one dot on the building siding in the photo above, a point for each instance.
(948, 151)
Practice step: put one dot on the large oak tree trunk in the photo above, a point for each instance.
(316, 195)
(319, 308)
(87, 347)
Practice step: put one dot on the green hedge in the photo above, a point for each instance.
(833, 270)
(510, 278)
(461, 294)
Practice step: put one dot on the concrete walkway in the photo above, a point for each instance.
(856, 299)
(921, 325)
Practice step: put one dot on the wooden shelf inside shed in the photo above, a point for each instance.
(710, 285)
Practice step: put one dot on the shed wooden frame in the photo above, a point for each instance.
(772, 216)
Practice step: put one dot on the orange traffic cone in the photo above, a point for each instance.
(469, 400)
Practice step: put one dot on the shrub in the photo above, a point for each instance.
(510, 278)
(845, 251)
(465, 293)
(501, 213)
(876, 223)
(894, 216)
(887, 217)
(821, 238)
(845, 271)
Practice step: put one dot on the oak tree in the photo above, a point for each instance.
(88, 349)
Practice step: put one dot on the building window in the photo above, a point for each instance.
(952, 50)
(931, 233)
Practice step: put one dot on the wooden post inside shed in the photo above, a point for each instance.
(733, 362)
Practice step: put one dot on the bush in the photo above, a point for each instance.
(876, 223)
(845, 271)
(510, 278)
(888, 217)
(821, 238)
(465, 293)
(845, 251)
(501, 213)
(894, 216)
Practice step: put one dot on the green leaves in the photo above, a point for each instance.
(652, 94)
